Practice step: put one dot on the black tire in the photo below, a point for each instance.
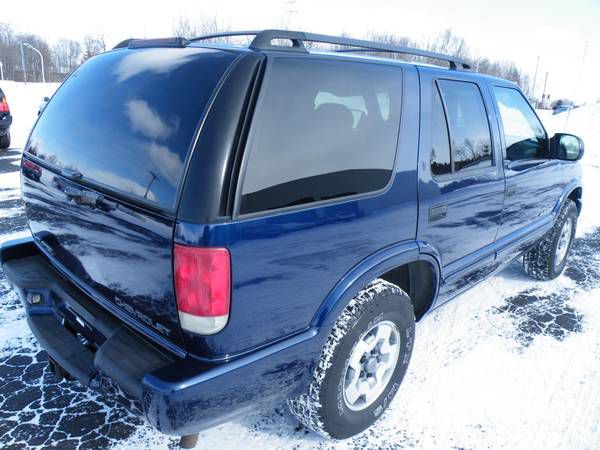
(323, 408)
(541, 261)
(5, 141)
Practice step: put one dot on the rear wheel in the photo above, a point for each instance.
(548, 258)
(5, 141)
(362, 364)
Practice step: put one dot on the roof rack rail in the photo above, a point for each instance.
(453, 62)
(263, 40)
(225, 34)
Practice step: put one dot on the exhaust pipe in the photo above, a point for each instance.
(58, 372)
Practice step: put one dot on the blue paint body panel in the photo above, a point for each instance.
(295, 269)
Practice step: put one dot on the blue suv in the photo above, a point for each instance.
(218, 228)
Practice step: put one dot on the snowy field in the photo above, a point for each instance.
(512, 364)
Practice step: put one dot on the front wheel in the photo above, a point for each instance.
(362, 363)
(548, 258)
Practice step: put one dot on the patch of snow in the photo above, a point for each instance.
(24, 100)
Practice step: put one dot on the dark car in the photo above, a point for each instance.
(278, 221)
(561, 109)
(5, 122)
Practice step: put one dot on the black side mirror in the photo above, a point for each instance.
(46, 99)
(567, 147)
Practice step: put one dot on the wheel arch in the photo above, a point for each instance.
(576, 195)
(402, 264)
(573, 191)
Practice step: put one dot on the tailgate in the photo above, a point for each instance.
(121, 253)
(103, 167)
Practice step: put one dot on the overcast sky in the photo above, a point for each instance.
(517, 30)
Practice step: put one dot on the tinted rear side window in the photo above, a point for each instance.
(126, 119)
(440, 144)
(323, 130)
(470, 139)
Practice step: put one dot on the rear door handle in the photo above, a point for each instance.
(437, 212)
(83, 197)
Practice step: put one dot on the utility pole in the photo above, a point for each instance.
(23, 64)
(544, 92)
(153, 177)
(290, 11)
(1, 71)
(537, 65)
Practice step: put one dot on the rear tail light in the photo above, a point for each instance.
(4, 105)
(202, 287)
(30, 165)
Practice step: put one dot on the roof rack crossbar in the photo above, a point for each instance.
(263, 40)
(454, 63)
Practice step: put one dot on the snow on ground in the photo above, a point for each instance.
(511, 364)
(24, 101)
(585, 123)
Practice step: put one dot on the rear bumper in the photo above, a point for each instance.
(176, 395)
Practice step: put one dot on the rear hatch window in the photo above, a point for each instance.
(126, 119)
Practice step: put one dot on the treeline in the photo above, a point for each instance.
(449, 43)
(65, 55)
(60, 59)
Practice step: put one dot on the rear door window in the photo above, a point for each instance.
(323, 130)
(470, 140)
(126, 119)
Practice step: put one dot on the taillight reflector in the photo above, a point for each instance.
(202, 287)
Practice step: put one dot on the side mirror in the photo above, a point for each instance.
(567, 147)
(46, 99)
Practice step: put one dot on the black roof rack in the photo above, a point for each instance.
(162, 42)
(263, 40)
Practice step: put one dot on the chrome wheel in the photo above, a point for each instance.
(563, 242)
(371, 365)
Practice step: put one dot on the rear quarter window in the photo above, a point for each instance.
(323, 130)
(470, 138)
(126, 119)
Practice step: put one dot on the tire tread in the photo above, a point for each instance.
(307, 407)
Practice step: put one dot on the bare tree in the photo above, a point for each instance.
(9, 52)
(67, 53)
(93, 45)
(449, 44)
(184, 28)
(187, 28)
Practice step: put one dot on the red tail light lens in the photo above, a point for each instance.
(202, 287)
(4, 105)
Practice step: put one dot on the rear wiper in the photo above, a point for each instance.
(71, 174)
